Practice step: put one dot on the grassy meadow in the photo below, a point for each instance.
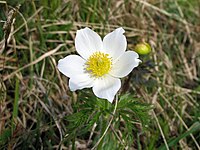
(37, 109)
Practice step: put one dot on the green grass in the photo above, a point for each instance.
(35, 101)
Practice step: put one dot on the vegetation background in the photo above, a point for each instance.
(34, 95)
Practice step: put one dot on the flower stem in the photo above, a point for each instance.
(109, 124)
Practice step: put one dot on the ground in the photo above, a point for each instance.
(36, 104)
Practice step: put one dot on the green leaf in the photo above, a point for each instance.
(134, 108)
(195, 127)
(5, 135)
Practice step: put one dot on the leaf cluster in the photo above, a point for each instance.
(130, 116)
(133, 109)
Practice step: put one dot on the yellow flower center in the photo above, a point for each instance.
(98, 64)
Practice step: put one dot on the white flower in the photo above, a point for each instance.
(100, 64)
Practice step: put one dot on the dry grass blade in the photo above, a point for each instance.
(35, 61)
(161, 131)
(184, 124)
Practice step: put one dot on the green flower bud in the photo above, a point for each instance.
(143, 48)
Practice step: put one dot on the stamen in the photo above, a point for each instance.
(98, 64)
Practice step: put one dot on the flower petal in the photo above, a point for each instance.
(115, 43)
(87, 42)
(71, 65)
(106, 87)
(125, 64)
(80, 81)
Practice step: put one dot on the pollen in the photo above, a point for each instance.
(98, 64)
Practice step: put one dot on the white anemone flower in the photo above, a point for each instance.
(101, 64)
